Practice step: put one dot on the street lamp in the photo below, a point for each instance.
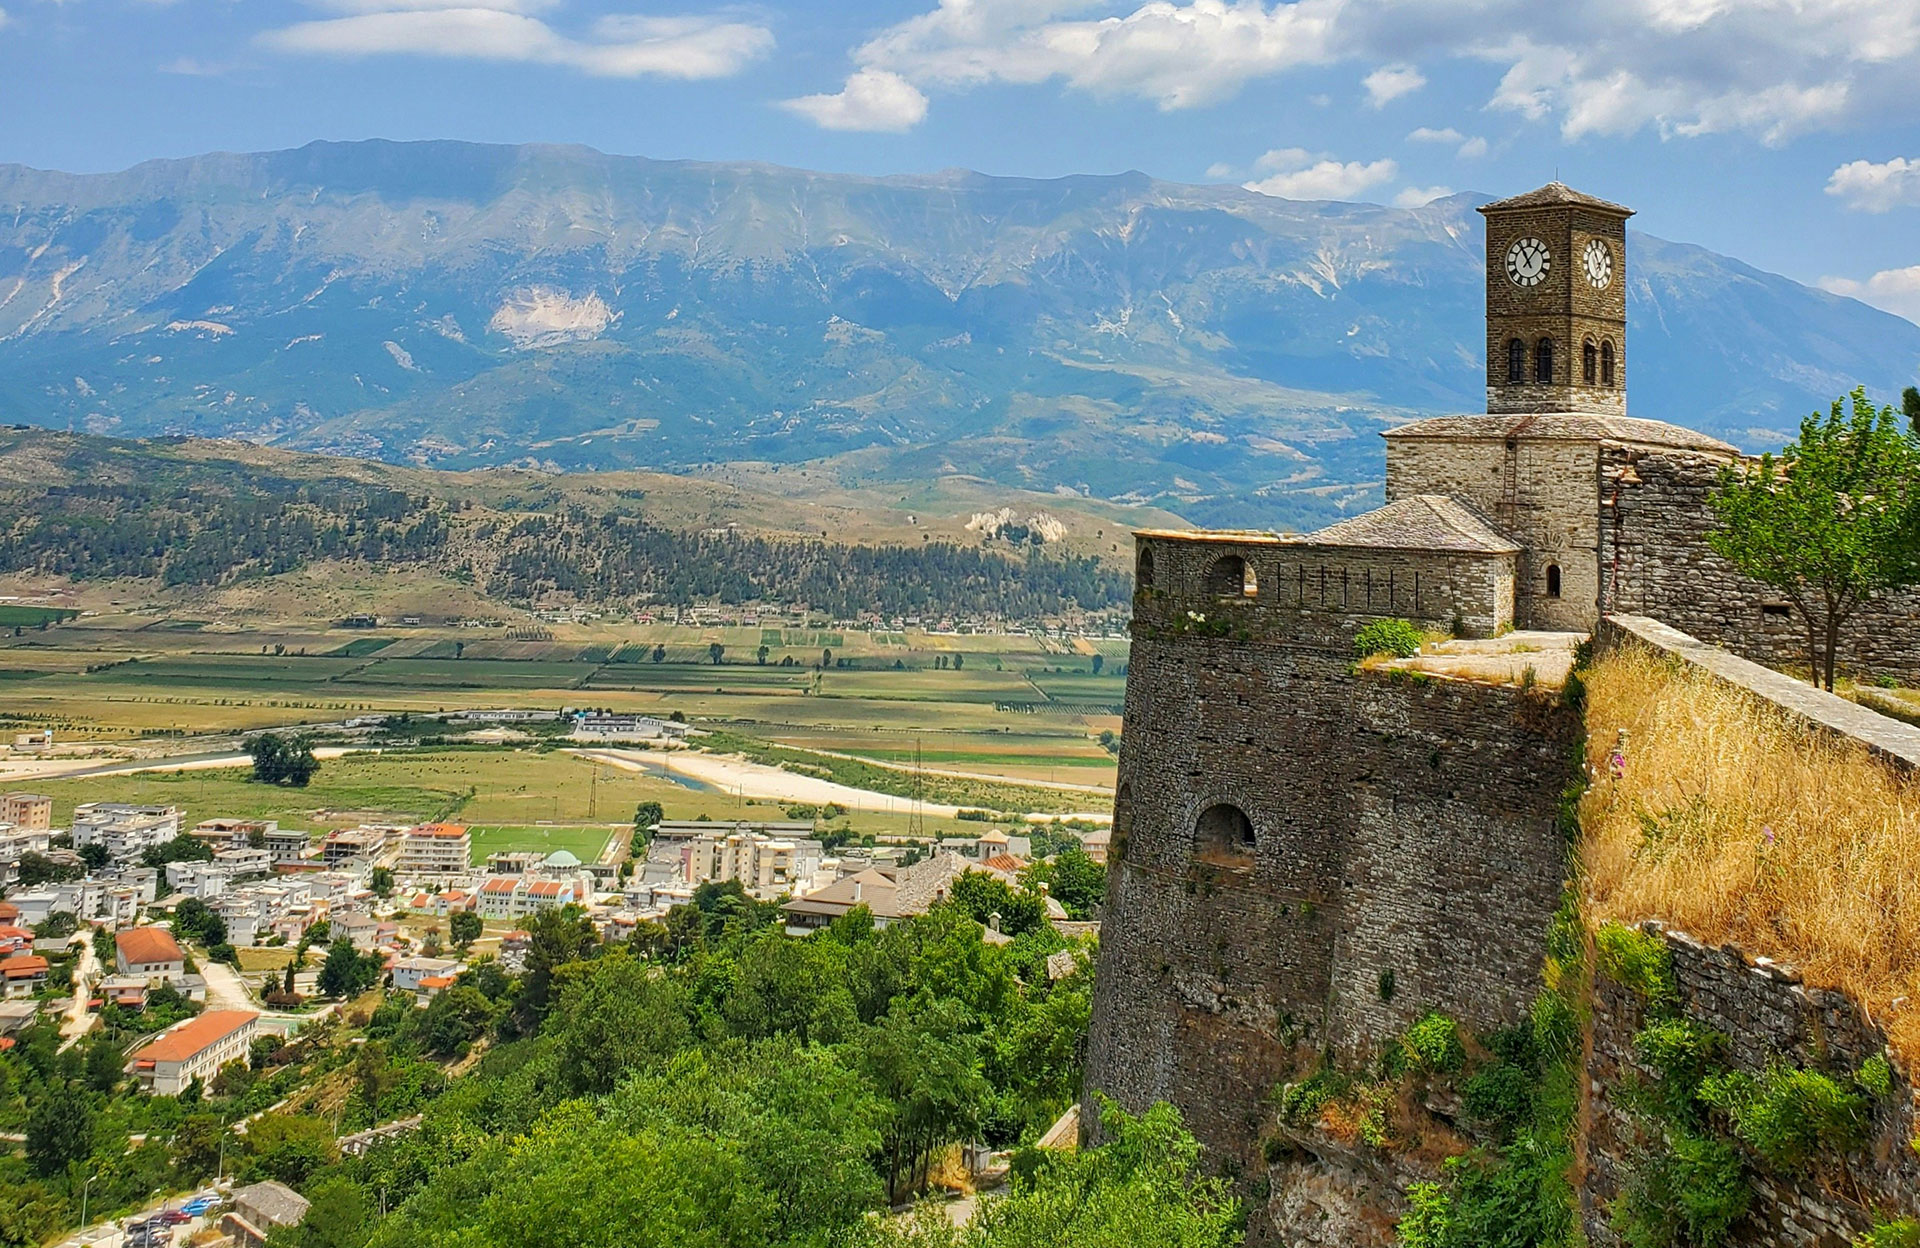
(85, 1188)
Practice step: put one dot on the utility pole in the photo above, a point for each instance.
(916, 817)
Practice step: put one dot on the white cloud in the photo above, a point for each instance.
(1420, 196)
(1220, 170)
(1390, 82)
(1891, 290)
(872, 99)
(1868, 187)
(4, 19)
(1464, 147)
(1297, 174)
(619, 46)
(1771, 68)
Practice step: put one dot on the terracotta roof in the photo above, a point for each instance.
(1423, 522)
(502, 886)
(1564, 427)
(147, 944)
(1554, 194)
(1009, 863)
(545, 888)
(451, 830)
(23, 966)
(182, 1041)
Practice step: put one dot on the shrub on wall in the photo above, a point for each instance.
(1637, 960)
(1398, 638)
(1790, 1117)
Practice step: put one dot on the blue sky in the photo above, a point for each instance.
(1784, 132)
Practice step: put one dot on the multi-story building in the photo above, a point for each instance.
(287, 845)
(374, 843)
(436, 849)
(409, 972)
(767, 858)
(511, 896)
(219, 834)
(126, 831)
(194, 1049)
(151, 952)
(27, 812)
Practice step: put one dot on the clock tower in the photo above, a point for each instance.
(1556, 303)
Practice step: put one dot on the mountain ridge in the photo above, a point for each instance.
(1221, 353)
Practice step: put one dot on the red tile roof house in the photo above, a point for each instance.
(14, 939)
(149, 951)
(194, 1049)
(23, 974)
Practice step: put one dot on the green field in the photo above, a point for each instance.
(14, 616)
(583, 843)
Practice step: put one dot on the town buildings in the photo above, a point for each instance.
(194, 1049)
(435, 849)
(26, 812)
(126, 831)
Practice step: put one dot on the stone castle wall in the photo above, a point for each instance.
(1399, 825)
(1654, 560)
(1339, 587)
(1768, 1017)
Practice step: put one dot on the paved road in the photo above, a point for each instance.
(78, 1020)
(225, 989)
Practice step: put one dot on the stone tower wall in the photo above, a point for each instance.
(1655, 561)
(1540, 492)
(1564, 307)
(1401, 825)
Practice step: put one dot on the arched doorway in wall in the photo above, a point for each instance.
(1223, 836)
(1230, 576)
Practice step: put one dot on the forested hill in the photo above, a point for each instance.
(94, 508)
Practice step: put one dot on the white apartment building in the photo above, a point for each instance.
(408, 972)
(221, 834)
(436, 849)
(126, 831)
(287, 845)
(194, 1049)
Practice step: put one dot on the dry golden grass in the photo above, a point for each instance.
(1736, 823)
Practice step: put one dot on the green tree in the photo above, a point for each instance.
(197, 921)
(924, 1059)
(347, 972)
(1074, 880)
(982, 896)
(715, 650)
(456, 1018)
(283, 760)
(380, 879)
(59, 1127)
(1830, 523)
(31, 1214)
(646, 817)
(615, 1014)
(182, 848)
(95, 855)
(464, 927)
(288, 1148)
(762, 653)
(34, 870)
(338, 1217)
(1910, 408)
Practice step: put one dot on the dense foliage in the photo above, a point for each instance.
(207, 522)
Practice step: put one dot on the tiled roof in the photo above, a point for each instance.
(1564, 427)
(1009, 863)
(147, 944)
(545, 888)
(502, 886)
(452, 831)
(1554, 194)
(23, 966)
(182, 1041)
(1423, 522)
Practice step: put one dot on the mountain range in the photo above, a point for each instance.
(1222, 354)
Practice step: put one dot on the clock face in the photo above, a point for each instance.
(1527, 262)
(1598, 262)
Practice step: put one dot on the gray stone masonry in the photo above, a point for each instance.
(1768, 1016)
(1397, 823)
(1655, 561)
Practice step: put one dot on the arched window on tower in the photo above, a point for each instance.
(1223, 837)
(1606, 363)
(1543, 361)
(1589, 362)
(1143, 569)
(1516, 362)
(1230, 576)
(1553, 580)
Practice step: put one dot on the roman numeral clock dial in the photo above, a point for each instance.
(1527, 262)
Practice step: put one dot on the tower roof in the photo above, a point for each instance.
(1554, 194)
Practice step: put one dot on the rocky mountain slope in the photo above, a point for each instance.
(1221, 353)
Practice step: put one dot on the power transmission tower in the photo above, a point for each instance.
(916, 818)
